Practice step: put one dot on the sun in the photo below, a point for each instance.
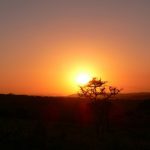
(83, 78)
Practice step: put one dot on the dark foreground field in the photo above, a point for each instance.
(28, 122)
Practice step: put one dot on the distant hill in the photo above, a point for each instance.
(134, 96)
(125, 96)
(73, 95)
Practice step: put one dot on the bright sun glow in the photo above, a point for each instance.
(83, 78)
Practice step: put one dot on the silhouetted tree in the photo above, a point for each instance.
(100, 94)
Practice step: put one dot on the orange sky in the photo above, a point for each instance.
(45, 45)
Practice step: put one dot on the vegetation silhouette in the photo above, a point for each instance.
(99, 94)
(35, 122)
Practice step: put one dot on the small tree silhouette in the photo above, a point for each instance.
(99, 93)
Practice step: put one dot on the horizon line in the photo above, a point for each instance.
(145, 92)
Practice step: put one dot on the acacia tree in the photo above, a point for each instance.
(96, 89)
(99, 93)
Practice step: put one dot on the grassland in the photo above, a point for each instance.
(34, 122)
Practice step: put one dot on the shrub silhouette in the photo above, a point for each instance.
(99, 94)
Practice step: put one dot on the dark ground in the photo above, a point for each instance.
(30, 122)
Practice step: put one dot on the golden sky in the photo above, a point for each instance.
(44, 45)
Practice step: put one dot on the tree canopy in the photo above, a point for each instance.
(96, 89)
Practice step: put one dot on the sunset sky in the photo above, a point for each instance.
(46, 44)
